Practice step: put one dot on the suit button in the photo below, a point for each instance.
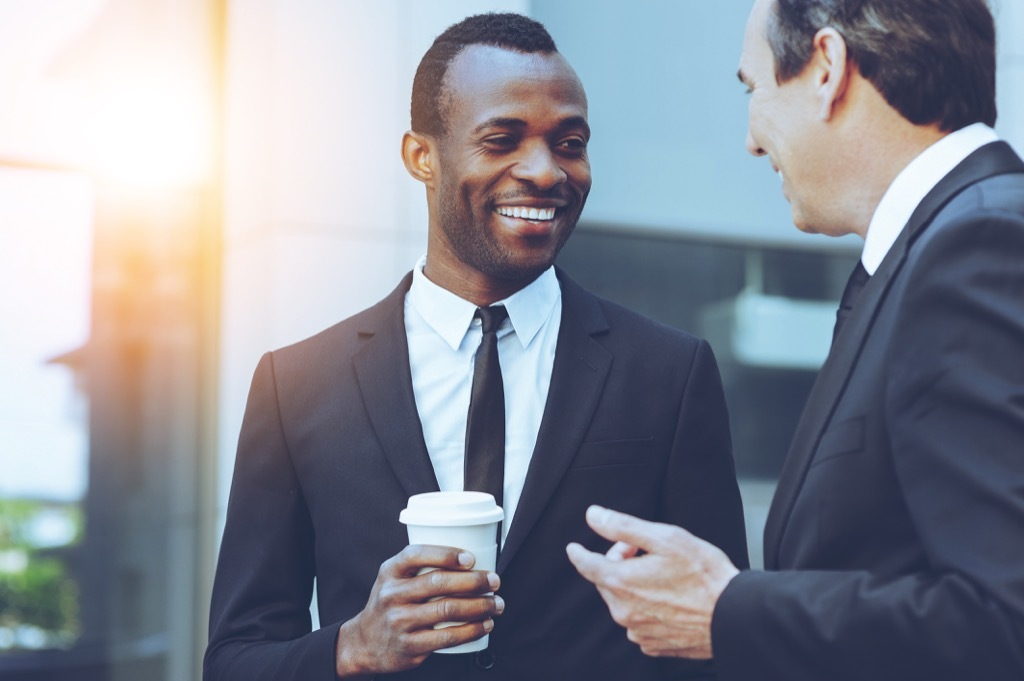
(485, 659)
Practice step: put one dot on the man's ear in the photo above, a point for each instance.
(832, 70)
(419, 156)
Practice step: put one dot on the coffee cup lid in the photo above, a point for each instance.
(451, 509)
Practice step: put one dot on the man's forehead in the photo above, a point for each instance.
(757, 21)
(486, 67)
(755, 55)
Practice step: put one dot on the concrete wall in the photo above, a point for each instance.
(1010, 70)
(670, 117)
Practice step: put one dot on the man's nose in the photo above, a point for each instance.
(752, 146)
(540, 167)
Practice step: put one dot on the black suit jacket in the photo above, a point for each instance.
(895, 542)
(331, 448)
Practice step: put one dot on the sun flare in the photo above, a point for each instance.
(151, 137)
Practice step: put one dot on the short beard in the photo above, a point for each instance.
(475, 246)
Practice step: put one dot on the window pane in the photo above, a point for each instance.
(767, 312)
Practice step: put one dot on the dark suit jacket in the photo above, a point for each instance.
(895, 543)
(331, 448)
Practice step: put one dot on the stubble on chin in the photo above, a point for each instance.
(476, 246)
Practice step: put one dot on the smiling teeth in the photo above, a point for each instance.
(526, 213)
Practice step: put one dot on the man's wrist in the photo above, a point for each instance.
(721, 604)
(346, 663)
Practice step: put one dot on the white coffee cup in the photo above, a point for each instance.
(463, 520)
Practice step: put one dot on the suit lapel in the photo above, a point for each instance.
(992, 159)
(385, 383)
(828, 387)
(577, 378)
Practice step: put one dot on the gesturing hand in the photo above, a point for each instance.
(395, 630)
(664, 596)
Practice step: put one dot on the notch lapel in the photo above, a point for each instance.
(385, 383)
(577, 378)
(992, 159)
(825, 393)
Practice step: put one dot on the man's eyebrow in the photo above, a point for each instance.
(509, 122)
(500, 122)
(576, 122)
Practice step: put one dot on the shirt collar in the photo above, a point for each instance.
(450, 316)
(913, 183)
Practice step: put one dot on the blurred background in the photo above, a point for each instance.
(185, 184)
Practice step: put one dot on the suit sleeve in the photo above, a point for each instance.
(700, 491)
(259, 620)
(955, 417)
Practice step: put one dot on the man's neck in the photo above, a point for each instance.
(880, 156)
(480, 289)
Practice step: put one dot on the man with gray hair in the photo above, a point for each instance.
(894, 546)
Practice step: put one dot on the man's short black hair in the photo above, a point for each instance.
(511, 31)
(934, 61)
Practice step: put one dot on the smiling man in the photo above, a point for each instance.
(600, 406)
(894, 546)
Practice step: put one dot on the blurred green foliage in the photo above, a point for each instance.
(36, 586)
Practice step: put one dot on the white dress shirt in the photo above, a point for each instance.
(443, 339)
(913, 183)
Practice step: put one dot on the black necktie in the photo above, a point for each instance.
(485, 426)
(858, 278)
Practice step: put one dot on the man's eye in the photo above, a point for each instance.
(576, 145)
(500, 141)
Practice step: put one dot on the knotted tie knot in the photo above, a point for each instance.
(491, 317)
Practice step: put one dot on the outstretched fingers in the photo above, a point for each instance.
(641, 534)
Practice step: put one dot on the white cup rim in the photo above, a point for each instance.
(451, 509)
